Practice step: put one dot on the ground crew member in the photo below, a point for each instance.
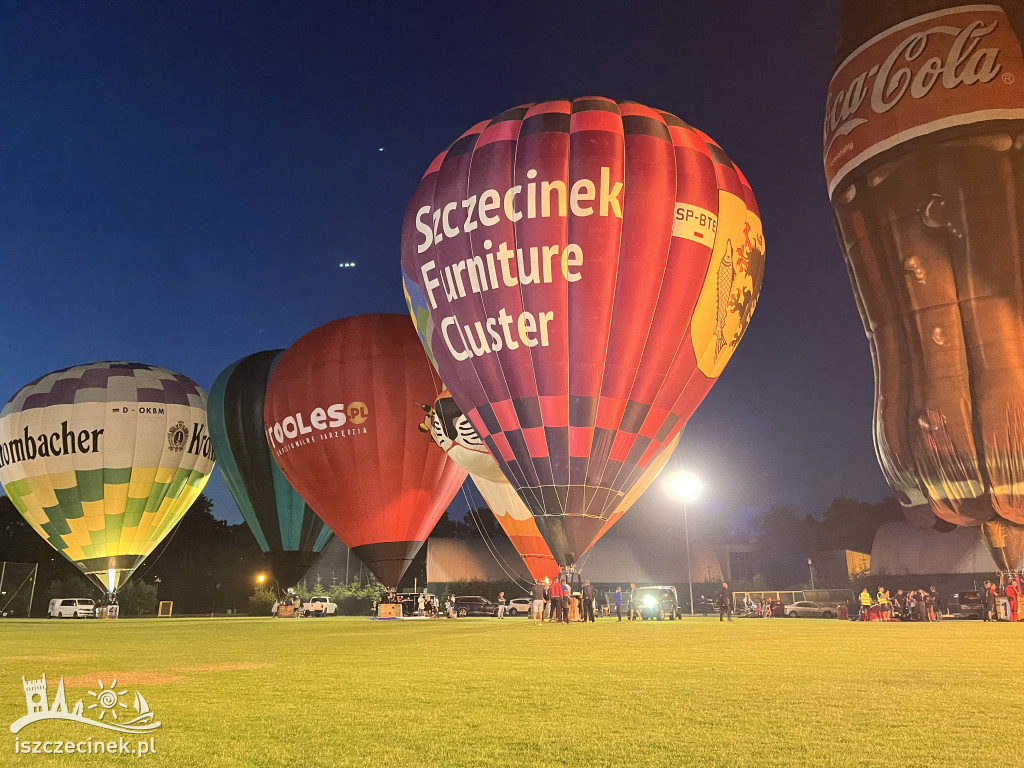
(865, 605)
(883, 604)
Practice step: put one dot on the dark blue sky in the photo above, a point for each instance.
(179, 182)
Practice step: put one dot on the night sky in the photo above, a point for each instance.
(179, 183)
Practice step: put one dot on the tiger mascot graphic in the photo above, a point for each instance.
(455, 434)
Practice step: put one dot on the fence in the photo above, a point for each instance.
(830, 597)
(17, 588)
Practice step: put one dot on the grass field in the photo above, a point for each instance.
(483, 692)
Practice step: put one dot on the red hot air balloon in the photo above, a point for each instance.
(581, 272)
(342, 420)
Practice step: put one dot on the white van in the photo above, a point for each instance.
(71, 607)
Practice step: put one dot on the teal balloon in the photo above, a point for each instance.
(286, 528)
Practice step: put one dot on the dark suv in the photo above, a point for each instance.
(474, 605)
(658, 603)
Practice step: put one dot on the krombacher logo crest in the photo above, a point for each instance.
(177, 436)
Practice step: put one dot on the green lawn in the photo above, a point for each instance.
(483, 692)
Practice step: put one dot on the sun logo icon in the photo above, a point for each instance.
(108, 700)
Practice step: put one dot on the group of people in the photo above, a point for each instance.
(763, 607)
(632, 604)
(915, 605)
(1008, 589)
(423, 604)
(562, 604)
(633, 611)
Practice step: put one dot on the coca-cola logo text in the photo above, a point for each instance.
(885, 85)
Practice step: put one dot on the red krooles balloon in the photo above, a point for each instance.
(342, 421)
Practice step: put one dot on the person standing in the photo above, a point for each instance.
(618, 602)
(899, 604)
(501, 605)
(634, 607)
(725, 603)
(937, 602)
(1013, 595)
(555, 597)
(883, 603)
(991, 595)
(589, 595)
(538, 602)
(865, 605)
(567, 602)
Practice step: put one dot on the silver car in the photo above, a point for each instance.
(807, 609)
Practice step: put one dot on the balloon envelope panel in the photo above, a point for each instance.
(455, 435)
(583, 272)
(925, 168)
(342, 422)
(281, 522)
(104, 459)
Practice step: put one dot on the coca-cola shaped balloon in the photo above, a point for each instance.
(581, 272)
(924, 159)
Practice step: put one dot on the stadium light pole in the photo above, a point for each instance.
(686, 486)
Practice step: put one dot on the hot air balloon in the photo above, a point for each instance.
(103, 460)
(581, 272)
(454, 433)
(285, 527)
(342, 423)
(924, 160)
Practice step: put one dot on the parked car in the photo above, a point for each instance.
(519, 605)
(967, 605)
(319, 606)
(71, 608)
(807, 609)
(475, 605)
(658, 603)
(706, 605)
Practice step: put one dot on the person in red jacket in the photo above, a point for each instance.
(555, 593)
(1013, 595)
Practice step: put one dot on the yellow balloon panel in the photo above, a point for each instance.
(731, 286)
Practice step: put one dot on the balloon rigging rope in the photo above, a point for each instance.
(491, 547)
(583, 559)
(164, 545)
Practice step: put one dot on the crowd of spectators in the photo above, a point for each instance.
(915, 605)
